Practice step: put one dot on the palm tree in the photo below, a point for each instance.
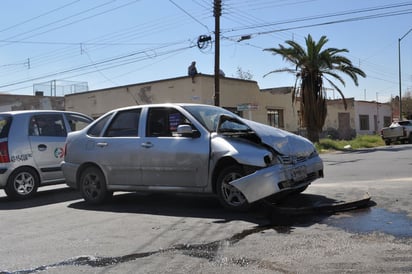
(312, 67)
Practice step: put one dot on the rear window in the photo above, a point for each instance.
(77, 122)
(5, 122)
(98, 126)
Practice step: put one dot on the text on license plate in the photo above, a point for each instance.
(299, 173)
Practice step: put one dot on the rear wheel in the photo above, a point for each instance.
(22, 183)
(93, 186)
(229, 196)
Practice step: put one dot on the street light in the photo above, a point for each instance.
(400, 84)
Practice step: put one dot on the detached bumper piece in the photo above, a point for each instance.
(268, 181)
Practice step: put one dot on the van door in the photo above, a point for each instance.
(47, 136)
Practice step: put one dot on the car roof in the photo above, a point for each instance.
(39, 111)
(159, 105)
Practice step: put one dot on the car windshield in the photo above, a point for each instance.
(208, 116)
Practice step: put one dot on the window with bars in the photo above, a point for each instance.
(364, 122)
(275, 118)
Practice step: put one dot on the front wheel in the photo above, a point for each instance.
(229, 196)
(22, 184)
(93, 186)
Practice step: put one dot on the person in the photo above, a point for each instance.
(192, 71)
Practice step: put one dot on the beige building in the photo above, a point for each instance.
(233, 93)
(10, 102)
(269, 106)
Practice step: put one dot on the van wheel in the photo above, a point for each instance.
(229, 196)
(93, 186)
(22, 183)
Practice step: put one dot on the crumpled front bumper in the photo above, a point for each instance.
(268, 181)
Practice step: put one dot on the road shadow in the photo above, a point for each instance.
(169, 204)
(42, 198)
(281, 215)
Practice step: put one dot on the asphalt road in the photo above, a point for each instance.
(56, 232)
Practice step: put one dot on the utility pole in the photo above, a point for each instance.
(217, 12)
(400, 79)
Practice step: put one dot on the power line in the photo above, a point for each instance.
(104, 62)
(187, 13)
(323, 16)
(38, 16)
(71, 22)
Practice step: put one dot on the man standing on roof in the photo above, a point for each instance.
(192, 71)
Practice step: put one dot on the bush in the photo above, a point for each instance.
(361, 141)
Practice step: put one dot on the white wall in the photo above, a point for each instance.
(372, 109)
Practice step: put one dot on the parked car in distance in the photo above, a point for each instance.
(398, 132)
(31, 148)
(187, 148)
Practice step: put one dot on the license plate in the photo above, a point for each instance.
(299, 173)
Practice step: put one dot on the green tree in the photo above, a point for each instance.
(312, 67)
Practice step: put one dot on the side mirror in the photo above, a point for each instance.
(187, 131)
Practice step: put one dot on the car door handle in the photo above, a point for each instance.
(147, 144)
(42, 147)
(102, 144)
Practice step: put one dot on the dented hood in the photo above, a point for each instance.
(283, 142)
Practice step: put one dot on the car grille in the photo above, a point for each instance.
(292, 160)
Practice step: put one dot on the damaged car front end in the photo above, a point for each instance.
(279, 162)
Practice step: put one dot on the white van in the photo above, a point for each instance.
(32, 148)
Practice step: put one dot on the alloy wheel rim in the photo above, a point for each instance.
(92, 186)
(24, 183)
(231, 194)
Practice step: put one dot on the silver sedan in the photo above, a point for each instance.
(188, 148)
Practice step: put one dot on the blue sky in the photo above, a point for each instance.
(118, 42)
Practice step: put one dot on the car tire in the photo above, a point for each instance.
(229, 196)
(22, 183)
(93, 186)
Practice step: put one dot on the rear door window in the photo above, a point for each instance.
(47, 125)
(124, 124)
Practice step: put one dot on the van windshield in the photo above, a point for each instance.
(5, 121)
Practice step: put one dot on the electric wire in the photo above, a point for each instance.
(234, 11)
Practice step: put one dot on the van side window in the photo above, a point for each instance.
(77, 122)
(47, 125)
